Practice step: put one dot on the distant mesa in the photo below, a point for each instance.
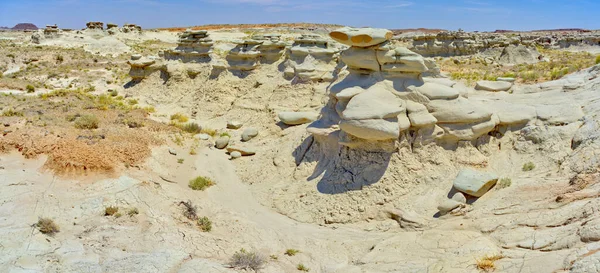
(25, 26)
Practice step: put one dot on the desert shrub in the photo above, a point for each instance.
(114, 93)
(302, 267)
(118, 215)
(180, 160)
(110, 210)
(209, 131)
(274, 257)
(488, 262)
(133, 211)
(598, 59)
(193, 151)
(189, 210)
(225, 134)
(529, 166)
(179, 117)
(12, 113)
(192, 127)
(47, 226)
(149, 109)
(244, 259)
(291, 252)
(132, 123)
(30, 88)
(204, 224)
(87, 122)
(59, 58)
(71, 118)
(504, 183)
(200, 183)
(132, 102)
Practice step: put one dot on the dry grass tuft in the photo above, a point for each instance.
(47, 226)
(204, 224)
(488, 262)
(179, 117)
(247, 260)
(110, 210)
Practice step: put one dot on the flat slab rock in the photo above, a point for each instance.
(297, 118)
(474, 183)
(361, 37)
(493, 86)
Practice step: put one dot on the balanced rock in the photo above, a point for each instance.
(361, 37)
(493, 86)
(297, 118)
(474, 183)
(222, 142)
(249, 134)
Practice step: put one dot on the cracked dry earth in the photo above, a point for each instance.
(546, 221)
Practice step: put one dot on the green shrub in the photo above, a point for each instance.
(179, 117)
(301, 267)
(87, 122)
(205, 224)
(12, 113)
(529, 166)
(30, 88)
(598, 59)
(225, 134)
(132, 101)
(180, 160)
(291, 252)
(114, 93)
(247, 260)
(133, 211)
(200, 183)
(47, 226)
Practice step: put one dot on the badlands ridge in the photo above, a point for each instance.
(328, 150)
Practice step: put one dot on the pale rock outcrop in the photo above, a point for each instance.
(131, 28)
(50, 32)
(312, 58)
(193, 46)
(112, 29)
(519, 54)
(142, 67)
(250, 53)
(385, 99)
(493, 86)
(474, 183)
(297, 118)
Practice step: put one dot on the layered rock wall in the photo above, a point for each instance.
(384, 99)
(312, 58)
(194, 46)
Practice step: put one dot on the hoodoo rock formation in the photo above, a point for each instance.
(194, 46)
(95, 25)
(312, 58)
(131, 28)
(385, 99)
(249, 53)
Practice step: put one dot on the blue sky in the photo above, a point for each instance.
(483, 15)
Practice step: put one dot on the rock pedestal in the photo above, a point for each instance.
(250, 53)
(312, 58)
(95, 25)
(194, 46)
(385, 99)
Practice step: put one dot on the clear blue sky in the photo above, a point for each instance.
(446, 14)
